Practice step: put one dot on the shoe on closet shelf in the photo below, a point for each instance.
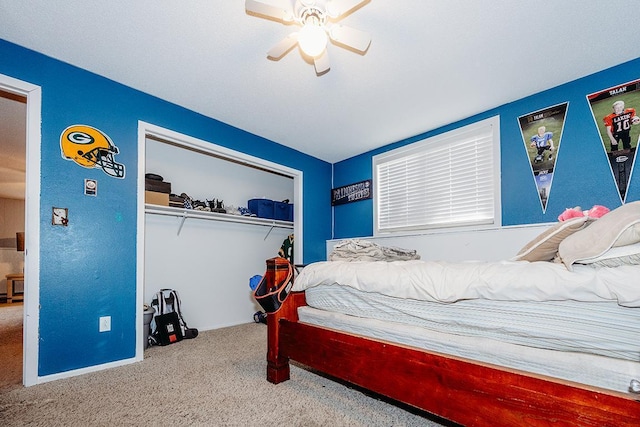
(217, 206)
(245, 211)
(232, 210)
(199, 205)
(187, 202)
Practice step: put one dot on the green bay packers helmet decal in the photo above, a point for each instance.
(90, 148)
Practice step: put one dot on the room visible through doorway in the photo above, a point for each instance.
(13, 110)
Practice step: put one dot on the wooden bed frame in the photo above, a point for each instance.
(466, 392)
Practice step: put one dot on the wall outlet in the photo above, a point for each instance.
(105, 323)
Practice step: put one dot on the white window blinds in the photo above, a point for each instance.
(445, 181)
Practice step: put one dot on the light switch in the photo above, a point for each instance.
(105, 324)
(60, 216)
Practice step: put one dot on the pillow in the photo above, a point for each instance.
(617, 256)
(545, 246)
(620, 227)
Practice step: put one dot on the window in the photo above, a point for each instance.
(449, 180)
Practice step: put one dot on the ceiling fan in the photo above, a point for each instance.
(318, 22)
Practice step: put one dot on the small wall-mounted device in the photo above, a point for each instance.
(90, 187)
(60, 216)
(105, 324)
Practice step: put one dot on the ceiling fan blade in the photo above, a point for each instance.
(268, 11)
(283, 46)
(337, 8)
(322, 63)
(350, 37)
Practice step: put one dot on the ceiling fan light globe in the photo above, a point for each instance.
(313, 40)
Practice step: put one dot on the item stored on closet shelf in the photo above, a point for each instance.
(153, 176)
(187, 201)
(156, 191)
(267, 208)
(262, 208)
(176, 201)
(156, 198)
(157, 185)
(232, 210)
(217, 206)
(245, 211)
(199, 205)
(283, 211)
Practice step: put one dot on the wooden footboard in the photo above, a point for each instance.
(467, 392)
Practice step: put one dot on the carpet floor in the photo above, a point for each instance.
(216, 379)
(10, 345)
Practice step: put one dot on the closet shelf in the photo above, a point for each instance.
(213, 216)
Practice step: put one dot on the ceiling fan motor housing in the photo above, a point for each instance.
(312, 15)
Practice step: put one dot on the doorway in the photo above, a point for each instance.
(20, 170)
(13, 148)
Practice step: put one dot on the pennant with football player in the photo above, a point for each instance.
(615, 114)
(541, 133)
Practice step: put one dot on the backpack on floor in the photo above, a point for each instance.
(168, 326)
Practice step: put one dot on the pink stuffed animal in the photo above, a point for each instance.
(571, 213)
(595, 212)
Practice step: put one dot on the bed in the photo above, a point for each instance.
(548, 337)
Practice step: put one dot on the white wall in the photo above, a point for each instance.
(210, 262)
(480, 245)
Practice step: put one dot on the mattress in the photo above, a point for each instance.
(594, 370)
(602, 328)
(441, 281)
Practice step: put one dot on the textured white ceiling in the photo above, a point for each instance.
(430, 63)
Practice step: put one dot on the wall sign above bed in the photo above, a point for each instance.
(351, 193)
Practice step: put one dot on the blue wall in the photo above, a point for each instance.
(582, 174)
(88, 269)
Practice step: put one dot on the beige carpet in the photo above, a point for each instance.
(10, 345)
(216, 379)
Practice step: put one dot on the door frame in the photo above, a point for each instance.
(31, 313)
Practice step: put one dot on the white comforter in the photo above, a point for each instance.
(505, 280)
